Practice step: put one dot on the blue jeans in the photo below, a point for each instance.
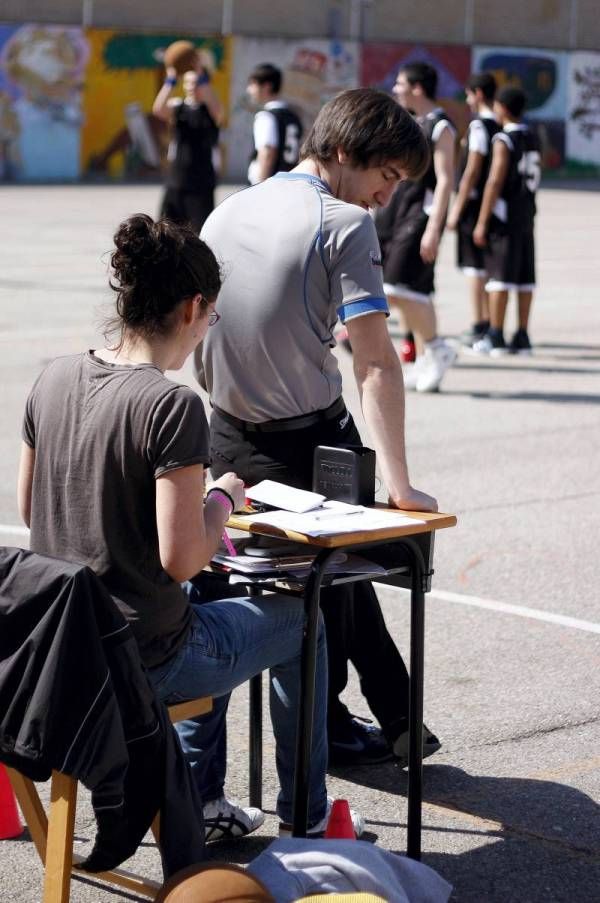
(231, 640)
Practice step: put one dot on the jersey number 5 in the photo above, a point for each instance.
(530, 167)
(291, 147)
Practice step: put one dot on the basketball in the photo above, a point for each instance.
(182, 55)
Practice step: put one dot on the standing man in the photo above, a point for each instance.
(411, 228)
(504, 228)
(300, 251)
(195, 121)
(277, 130)
(475, 166)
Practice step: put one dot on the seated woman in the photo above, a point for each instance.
(112, 475)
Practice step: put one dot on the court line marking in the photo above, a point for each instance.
(508, 608)
(522, 611)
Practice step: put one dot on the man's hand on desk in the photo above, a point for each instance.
(414, 500)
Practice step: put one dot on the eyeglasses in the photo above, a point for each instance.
(213, 318)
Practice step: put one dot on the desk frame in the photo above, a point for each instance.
(417, 545)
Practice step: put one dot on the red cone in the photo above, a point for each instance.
(340, 825)
(10, 823)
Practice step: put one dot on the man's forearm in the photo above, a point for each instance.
(439, 207)
(381, 391)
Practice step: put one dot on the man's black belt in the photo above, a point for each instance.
(337, 409)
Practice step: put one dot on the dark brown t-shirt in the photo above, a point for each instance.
(102, 433)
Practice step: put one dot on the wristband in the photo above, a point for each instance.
(223, 498)
(203, 79)
(171, 82)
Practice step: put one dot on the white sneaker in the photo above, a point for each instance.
(436, 360)
(223, 819)
(358, 823)
(410, 373)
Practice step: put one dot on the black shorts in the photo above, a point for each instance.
(188, 207)
(470, 258)
(510, 259)
(405, 273)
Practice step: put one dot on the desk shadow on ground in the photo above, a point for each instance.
(540, 840)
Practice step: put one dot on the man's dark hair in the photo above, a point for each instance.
(371, 128)
(422, 74)
(484, 82)
(514, 99)
(267, 74)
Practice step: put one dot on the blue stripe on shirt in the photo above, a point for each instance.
(362, 306)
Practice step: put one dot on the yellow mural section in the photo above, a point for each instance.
(120, 137)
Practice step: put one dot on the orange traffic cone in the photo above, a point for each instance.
(10, 823)
(340, 825)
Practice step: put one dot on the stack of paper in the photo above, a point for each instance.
(332, 518)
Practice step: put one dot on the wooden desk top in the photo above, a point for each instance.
(433, 522)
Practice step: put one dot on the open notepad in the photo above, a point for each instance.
(331, 518)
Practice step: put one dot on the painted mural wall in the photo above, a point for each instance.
(543, 75)
(583, 115)
(313, 71)
(380, 64)
(42, 74)
(76, 103)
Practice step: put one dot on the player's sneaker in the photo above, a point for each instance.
(431, 744)
(410, 373)
(474, 334)
(493, 344)
(438, 357)
(317, 830)
(520, 344)
(224, 820)
(408, 352)
(358, 743)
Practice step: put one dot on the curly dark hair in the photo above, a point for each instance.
(156, 266)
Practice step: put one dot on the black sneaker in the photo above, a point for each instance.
(520, 344)
(431, 744)
(492, 343)
(474, 334)
(360, 744)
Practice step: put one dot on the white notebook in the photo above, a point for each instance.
(269, 492)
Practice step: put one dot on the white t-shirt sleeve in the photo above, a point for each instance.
(265, 130)
(439, 128)
(478, 138)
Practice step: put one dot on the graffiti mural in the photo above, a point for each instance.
(41, 80)
(313, 70)
(120, 135)
(380, 64)
(542, 74)
(583, 114)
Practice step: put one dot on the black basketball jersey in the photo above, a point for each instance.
(516, 205)
(190, 152)
(411, 198)
(491, 127)
(289, 134)
(414, 194)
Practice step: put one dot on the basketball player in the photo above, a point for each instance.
(277, 129)
(505, 224)
(474, 169)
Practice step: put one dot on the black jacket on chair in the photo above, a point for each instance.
(74, 697)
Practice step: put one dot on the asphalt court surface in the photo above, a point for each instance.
(513, 647)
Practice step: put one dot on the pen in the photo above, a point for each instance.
(328, 514)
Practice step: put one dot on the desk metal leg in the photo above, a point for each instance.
(255, 738)
(419, 576)
(307, 694)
